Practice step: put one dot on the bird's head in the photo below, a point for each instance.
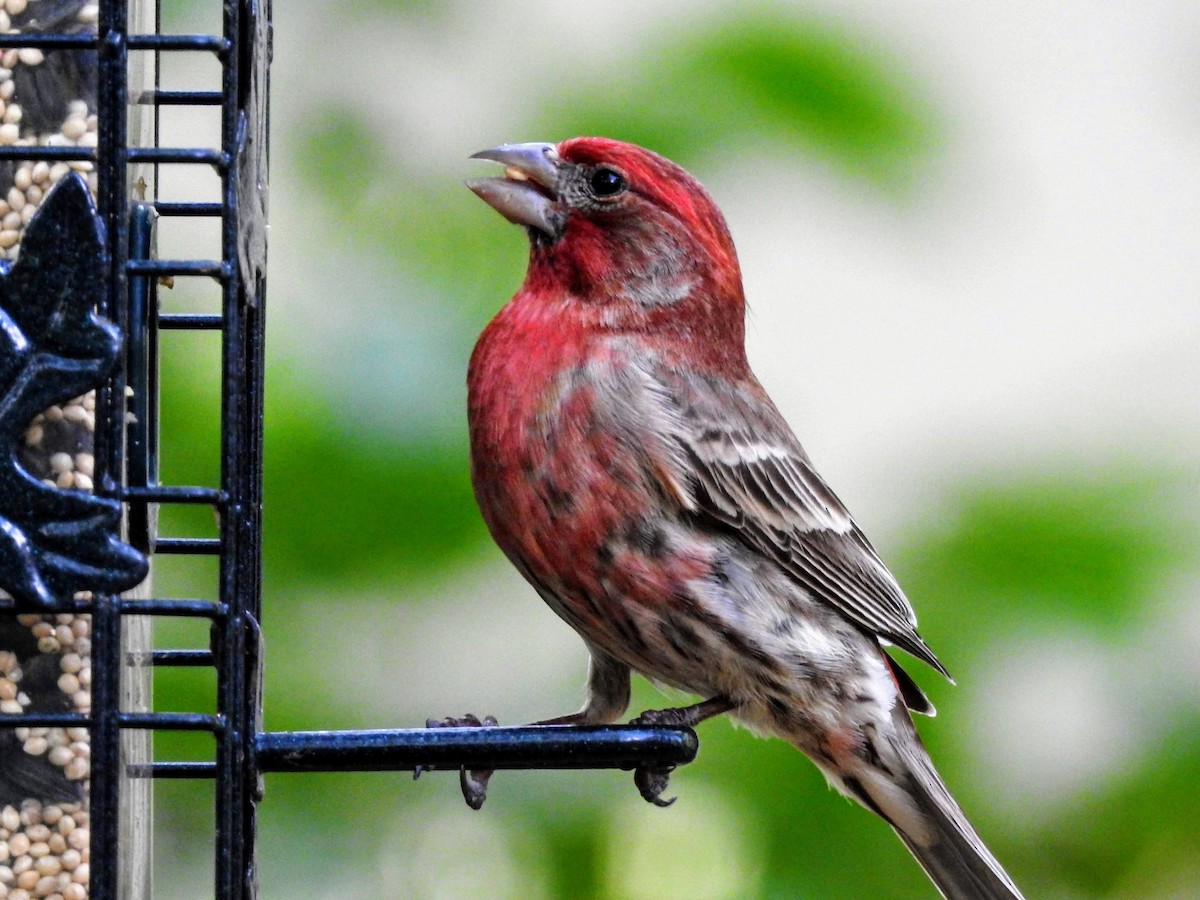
(625, 231)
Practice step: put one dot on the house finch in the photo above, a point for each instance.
(629, 464)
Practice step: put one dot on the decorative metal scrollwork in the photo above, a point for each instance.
(54, 346)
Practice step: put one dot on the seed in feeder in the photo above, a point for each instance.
(31, 56)
(85, 463)
(16, 7)
(77, 769)
(28, 879)
(33, 194)
(40, 172)
(58, 170)
(61, 462)
(10, 818)
(60, 756)
(75, 413)
(36, 746)
(82, 482)
(48, 865)
(9, 133)
(33, 436)
(12, 114)
(26, 214)
(18, 844)
(65, 480)
(74, 127)
(23, 177)
(49, 645)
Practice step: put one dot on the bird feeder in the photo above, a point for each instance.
(87, 196)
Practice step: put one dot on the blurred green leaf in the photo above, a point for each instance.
(746, 83)
(1088, 547)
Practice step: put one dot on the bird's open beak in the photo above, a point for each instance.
(528, 193)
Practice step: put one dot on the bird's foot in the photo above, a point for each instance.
(685, 716)
(473, 782)
(651, 781)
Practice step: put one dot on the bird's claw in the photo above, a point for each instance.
(651, 781)
(474, 782)
(469, 720)
(663, 717)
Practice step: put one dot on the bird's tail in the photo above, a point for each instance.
(910, 795)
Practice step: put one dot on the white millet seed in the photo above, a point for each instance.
(74, 127)
(49, 645)
(36, 746)
(61, 462)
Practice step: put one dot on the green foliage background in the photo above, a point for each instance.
(368, 513)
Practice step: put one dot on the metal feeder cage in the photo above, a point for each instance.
(85, 200)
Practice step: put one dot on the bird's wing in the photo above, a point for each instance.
(747, 471)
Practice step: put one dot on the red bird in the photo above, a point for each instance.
(630, 465)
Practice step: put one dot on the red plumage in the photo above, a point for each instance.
(633, 469)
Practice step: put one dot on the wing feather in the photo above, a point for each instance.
(748, 472)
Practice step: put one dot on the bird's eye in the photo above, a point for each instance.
(606, 182)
